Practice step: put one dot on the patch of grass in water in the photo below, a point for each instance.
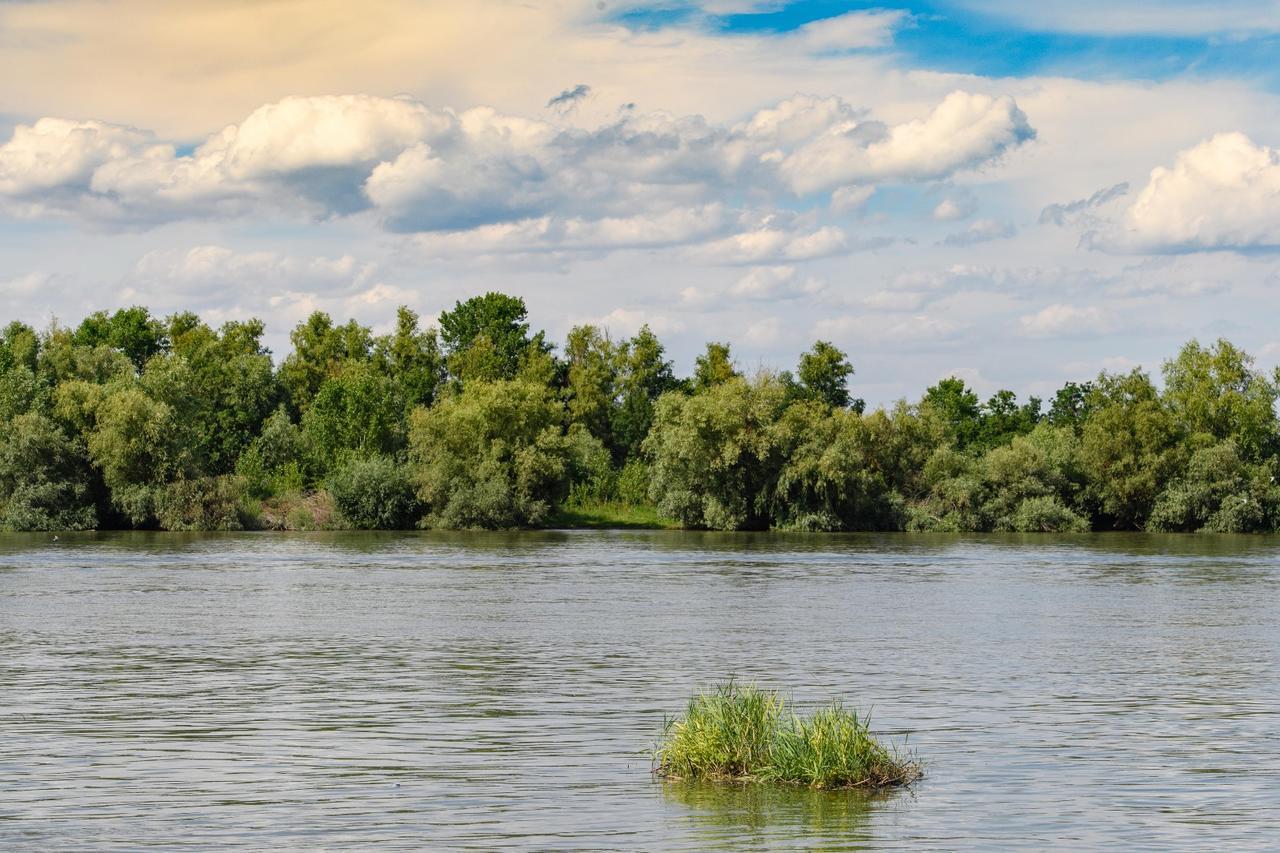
(744, 733)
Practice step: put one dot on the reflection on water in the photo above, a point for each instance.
(489, 691)
(737, 817)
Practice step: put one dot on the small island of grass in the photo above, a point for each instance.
(742, 733)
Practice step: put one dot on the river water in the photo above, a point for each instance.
(504, 691)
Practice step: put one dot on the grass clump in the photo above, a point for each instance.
(743, 733)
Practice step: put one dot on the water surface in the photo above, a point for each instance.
(504, 690)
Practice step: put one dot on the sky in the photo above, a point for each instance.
(1017, 194)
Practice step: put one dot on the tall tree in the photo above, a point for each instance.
(956, 409)
(590, 391)
(487, 337)
(320, 349)
(644, 375)
(824, 373)
(714, 366)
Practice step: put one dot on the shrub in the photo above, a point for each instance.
(375, 494)
(1046, 514)
(202, 503)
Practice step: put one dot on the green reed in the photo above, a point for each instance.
(740, 732)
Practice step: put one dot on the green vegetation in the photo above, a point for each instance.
(743, 733)
(129, 420)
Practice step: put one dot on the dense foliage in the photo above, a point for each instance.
(129, 420)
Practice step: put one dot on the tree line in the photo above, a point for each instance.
(133, 421)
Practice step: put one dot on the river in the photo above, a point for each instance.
(487, 691)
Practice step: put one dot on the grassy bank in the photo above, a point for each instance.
(741, 733)
(604, 515)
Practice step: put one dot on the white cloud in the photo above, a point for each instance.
(420, 169)
(850, 31)
(1060, 319)
(771, 243)
(1221, 194)
(963, 132)
(776, 282)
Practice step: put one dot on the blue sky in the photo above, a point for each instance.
(1013, 193)
(963, 39)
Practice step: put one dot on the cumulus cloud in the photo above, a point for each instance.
(419, 169)
(963, 132)
(1223, 194)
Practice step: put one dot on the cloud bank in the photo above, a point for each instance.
(421, 169)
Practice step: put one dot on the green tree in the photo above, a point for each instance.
(590, 392)
(824, 373)
(355, 413)
(954, 496)
(1129, 448)
(321, 350)
(1032, 483)
(411, 359)
(131, 331)
(956, 408)
(1070, 405)
(715, 453)
(1215, 392)
(828, 480)
(493, 456)
(19, 347)
(644, 375)
(1001, 419)
(486, 338)
(279, 460)
(1219, 492)
(714, 367)
(220, 385)
(136, 444)
(45, 482)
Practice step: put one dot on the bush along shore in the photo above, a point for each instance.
(742, 733)
(132, 421)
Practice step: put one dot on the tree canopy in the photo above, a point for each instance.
(128, 420)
